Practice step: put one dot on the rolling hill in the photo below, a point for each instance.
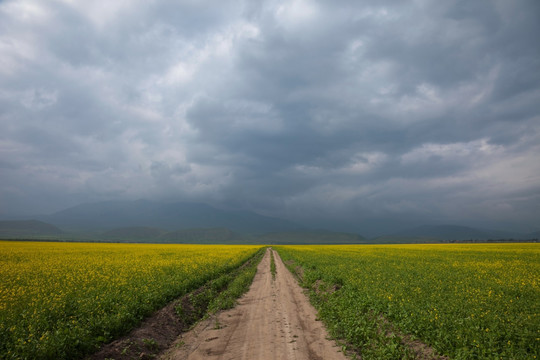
(311, 237)
(437, 233)
(169, 216)
(205, 236)
(134, 233)
(25, 228)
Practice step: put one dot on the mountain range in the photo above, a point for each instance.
(27, 228)
(437, 233)
(169, 216)
(188, 222)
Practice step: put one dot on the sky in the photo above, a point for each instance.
(344, 114)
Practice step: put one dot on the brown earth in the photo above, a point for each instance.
(153, 336)
(274, 320)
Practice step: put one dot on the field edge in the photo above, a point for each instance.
(158, 332)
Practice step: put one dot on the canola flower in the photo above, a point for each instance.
(61, 300)
(467, 301)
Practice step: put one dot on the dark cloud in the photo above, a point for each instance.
(339, 113)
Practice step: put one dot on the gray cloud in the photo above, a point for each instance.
(318, 111)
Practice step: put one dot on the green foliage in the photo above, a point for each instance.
(272, 265)
(465, 301)
(237, 287)
(220, 293)
(151, 344)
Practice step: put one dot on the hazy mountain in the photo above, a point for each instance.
(227, 236)
(133, 233)
(446, 233)
(206, 236)
(397, 239)
(148, 221)
(169, 216)
(22, 228)
(311, 237)
(184, 236)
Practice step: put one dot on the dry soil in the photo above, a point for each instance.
(273, 320)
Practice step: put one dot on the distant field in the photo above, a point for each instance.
(61, 300)
(477, 301)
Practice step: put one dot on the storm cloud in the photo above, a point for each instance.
(324, 112)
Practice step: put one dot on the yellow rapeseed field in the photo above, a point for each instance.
(61, 300)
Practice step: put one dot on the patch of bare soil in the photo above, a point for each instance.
(421, 350)
(274, 320)
(154, 335)
(298, 270)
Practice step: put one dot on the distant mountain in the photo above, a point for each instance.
(169, 216)
(311, 237)
(205, 236)
(22, 228)
(396, 239)
(433, 233)
(133, 233)
(184, 236)
(227, 236)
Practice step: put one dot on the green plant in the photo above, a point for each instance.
(464, 301)
(272, 265)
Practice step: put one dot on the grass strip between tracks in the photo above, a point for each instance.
(272, 265)
(219, 294)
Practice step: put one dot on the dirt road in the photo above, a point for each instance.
(274, 320)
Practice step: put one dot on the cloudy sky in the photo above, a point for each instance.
(353, 112)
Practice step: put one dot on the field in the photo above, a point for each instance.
(476, 301)
(396, 301)
(61, 300)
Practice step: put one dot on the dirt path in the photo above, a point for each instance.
(274, 320)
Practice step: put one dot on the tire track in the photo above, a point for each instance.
(273, 320)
